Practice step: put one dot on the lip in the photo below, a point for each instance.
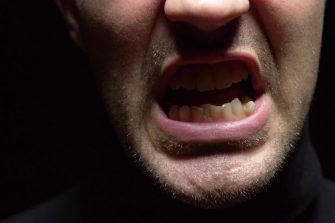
(214, 132)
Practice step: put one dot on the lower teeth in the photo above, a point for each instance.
(233, 111)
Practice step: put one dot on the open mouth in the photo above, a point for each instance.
(221, 92)
(212, 100)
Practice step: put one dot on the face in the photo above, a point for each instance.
(209, 95)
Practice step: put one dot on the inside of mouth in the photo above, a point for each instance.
(199, 97)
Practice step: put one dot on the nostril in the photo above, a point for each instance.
(207, 15)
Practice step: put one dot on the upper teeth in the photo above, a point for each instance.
(209, 77)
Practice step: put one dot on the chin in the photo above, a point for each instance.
(217, 180)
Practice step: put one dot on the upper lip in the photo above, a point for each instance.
(249, 59)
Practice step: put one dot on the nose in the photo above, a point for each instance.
(207, 15)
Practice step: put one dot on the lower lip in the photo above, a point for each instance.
(214, 132)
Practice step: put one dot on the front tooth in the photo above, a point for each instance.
(174, 112)
(237, 108)
(205, 81)
(249, 107)
(215, 112)
(227, 112)
(197, 114)
(187, 80)
(185, 114)
(206, 111)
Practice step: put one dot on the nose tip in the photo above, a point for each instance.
(207, 15)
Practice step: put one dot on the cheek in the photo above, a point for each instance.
(288, 20)
(116, 35)
(112, 25)
(293, 29)
(126, 17)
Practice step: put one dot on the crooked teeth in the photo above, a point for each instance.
(227, 112)
(215, 112)
(249, 107)
(233, 111)
(209, 77)
(237, 108)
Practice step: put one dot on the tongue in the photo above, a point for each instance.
(215, 97)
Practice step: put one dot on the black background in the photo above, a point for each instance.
(53, 126)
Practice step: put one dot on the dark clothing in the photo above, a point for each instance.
(299, 194)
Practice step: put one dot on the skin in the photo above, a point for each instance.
(128, 42)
